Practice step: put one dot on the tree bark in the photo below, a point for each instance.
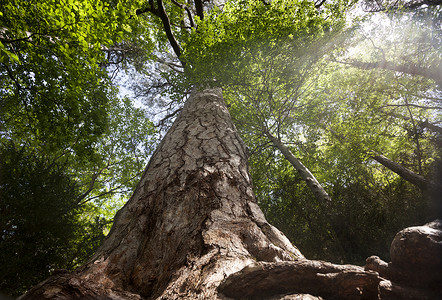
(416, 261)
(320, 194)
(192, 221)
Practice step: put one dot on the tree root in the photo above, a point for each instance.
(264, 280)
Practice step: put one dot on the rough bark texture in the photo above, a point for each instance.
(409, 246)
(192, 221)
(320, 194)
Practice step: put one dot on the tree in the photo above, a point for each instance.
(193, 220)
(51, 79)
(420, 29)
(183, 232)
(405, 173)
(309, 178)
(358, 103)
(271, 66)
(207, 175)
(55, 96)
(374, 6)
(70, 199)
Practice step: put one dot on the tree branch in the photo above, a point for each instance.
(320, 194)
(90, 188)
(189, 13)
(11, 76)
(319, 3)
(393, 166)
(378, 5)
(160, 12)
(199, 9)
(110, 191)
(151, 8)
(167, 117)
(431, 73)
(167, 28)
(411, 105)
(431, 127)
(406, 174)
(423, 124)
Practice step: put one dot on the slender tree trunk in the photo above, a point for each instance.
(320, 194)
(192, 221)
(405, 173)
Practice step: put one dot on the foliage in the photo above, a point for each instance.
(52, 86)
(71, 151)
(56, 207)
(57, 99)
(346, 115)
(277, 64)
(119, 157)
(233, 46)
(369, 204)
(41, 227)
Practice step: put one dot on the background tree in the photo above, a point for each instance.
(40, 228)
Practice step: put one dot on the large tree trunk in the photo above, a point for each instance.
(192, 221)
